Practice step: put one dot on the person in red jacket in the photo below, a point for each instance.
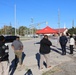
(45, 44)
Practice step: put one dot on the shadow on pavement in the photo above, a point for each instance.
(14, 63)
(12, 67)
(23, 56)
(59, 49)
(38, 59)
(29, 72)
(55, 50)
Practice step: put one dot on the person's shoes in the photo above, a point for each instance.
(41, 68)
(63, 53)
(70, 53)
(20, 67)
(48, 66)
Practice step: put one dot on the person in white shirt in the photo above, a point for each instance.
(72, 42)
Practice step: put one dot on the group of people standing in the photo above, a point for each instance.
(44, 51)
(45, 44)
(63, 41)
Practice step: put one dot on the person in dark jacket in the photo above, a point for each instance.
(75, 39)
(45, 44)
(63, 41)
(4, 67)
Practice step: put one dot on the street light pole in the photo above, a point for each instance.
(15, 19)
(59, 20)
(32, 26)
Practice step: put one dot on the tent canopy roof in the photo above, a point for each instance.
(46, 30)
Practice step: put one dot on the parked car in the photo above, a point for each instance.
(35, 36)
(9, 39)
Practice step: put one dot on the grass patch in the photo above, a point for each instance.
(26, 69)
(52, 71)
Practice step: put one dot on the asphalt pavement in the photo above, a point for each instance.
(31, 57)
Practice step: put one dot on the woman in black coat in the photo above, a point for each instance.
(45, 44)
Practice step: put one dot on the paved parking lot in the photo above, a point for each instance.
(31, 51)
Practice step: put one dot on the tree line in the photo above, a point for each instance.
(22, 30)
(72, 31)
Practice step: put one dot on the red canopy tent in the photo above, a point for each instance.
(46, 30)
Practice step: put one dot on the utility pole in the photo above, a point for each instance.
(64, 26)
(59, 20)
(15, 18)
(73, 24)
(32, 26)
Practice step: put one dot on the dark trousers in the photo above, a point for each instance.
(63, 49)
(71, 49)
(75, 42)
(16, 60)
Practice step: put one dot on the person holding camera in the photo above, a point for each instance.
(4, 67)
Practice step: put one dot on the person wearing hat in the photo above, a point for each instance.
(4, 66)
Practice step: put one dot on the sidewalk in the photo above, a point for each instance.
(31, 63)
